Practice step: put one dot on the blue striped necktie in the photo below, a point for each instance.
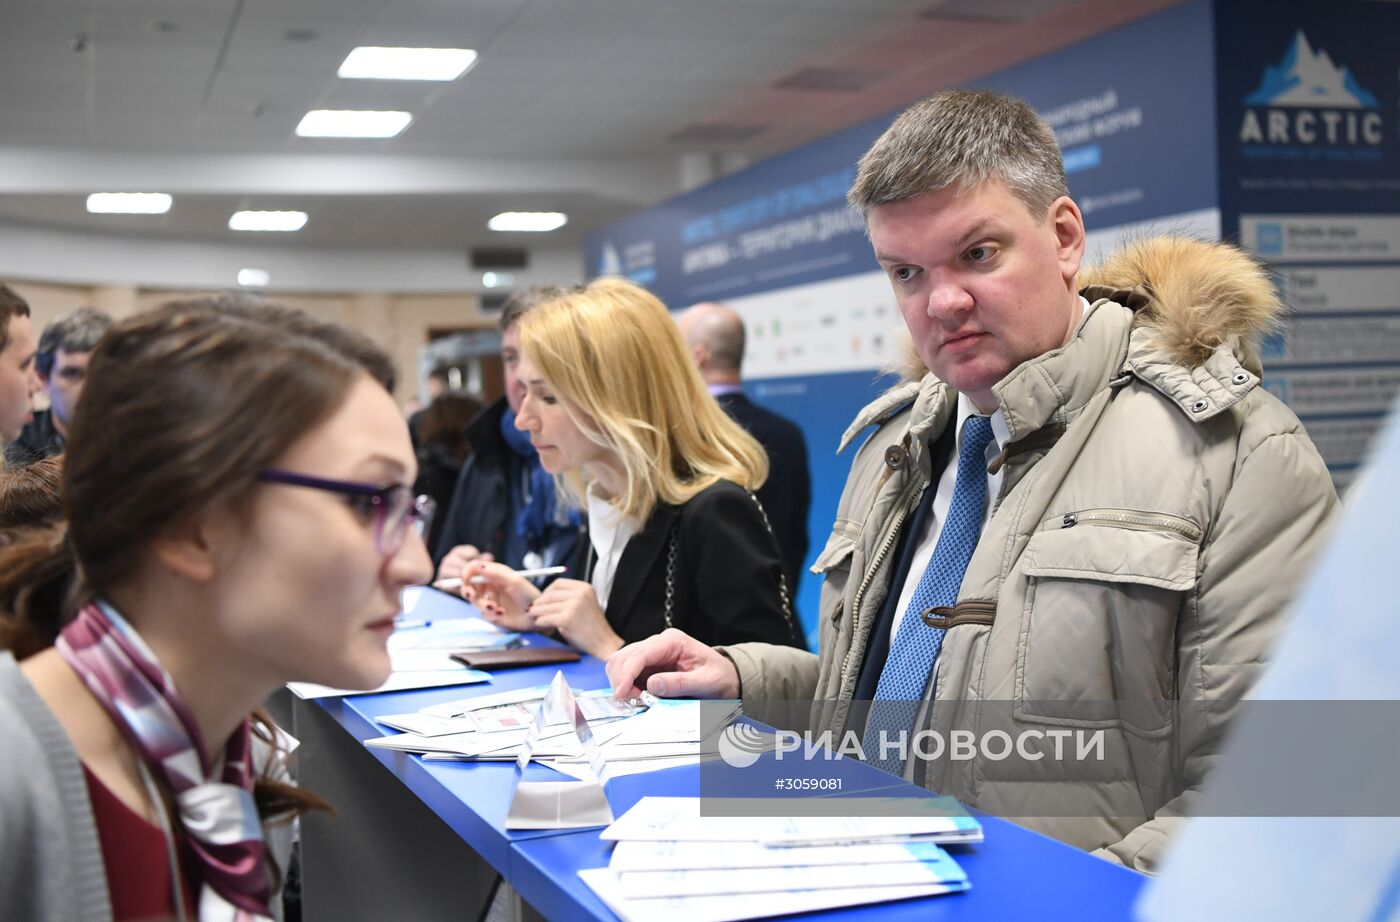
(914, 648)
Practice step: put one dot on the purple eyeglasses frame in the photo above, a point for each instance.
(418, 510)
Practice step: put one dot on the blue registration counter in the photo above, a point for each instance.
(426, 840)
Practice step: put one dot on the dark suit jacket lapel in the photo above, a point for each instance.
(642, 557)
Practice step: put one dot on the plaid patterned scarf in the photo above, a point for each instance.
(216, 810)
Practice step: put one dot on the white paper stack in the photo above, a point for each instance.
(429, 645)
(666, 863)
(634, 737)
(493, 727)
(397, 681)
(679, 819)
(666, 735)
(420, 655)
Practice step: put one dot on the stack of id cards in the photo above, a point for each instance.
(670, 862)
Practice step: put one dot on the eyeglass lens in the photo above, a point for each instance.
(400, 509)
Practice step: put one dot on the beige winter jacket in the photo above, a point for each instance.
(1157, 511)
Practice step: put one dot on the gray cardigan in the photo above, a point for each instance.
(51, 866)
(50, 858)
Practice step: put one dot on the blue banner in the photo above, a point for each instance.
(780, 223)
(1309, 126)
(1132, 114)
(1308, 108)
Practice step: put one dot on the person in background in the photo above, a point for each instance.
(61, 364)
(503, 507)
(714, 333)
(1083, 510)
(255, 531)
(442, 448)
(438, 384)
(30, 496)
(18, 382)
(675, 535)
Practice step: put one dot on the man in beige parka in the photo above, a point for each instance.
(1147, 513)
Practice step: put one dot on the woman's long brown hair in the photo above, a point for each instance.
(182, 407)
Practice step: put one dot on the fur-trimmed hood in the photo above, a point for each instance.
(1192, 294)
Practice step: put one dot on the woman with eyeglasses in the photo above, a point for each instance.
(618, 413)
(238, 517)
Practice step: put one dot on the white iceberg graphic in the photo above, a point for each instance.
(1309, 78)
(611, 261)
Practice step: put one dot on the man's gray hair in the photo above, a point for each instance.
(963, 139)
(78, 331)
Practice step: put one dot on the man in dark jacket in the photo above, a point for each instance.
(503, 506)
(18, 382)
(715, 335)
(61, 365)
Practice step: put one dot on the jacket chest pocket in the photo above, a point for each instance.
(1098, 632)
(833, 564)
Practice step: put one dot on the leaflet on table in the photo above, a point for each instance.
(412, 742)
(564, 760)
(424, 725)
(558, 746)
(596, 705)
(600, 704)
(424, 603)
(465, 706)
(665, 819)
(617, 767)
(675, 721)
(450, 636)
(656, 733)
(604, 882)
(490, 717)
(685, 856)
(652, 738)
(469, 744)
(422, 661)
(653, 884)
(398, 681)
(487, 723)
(475, 744)
(627, 760)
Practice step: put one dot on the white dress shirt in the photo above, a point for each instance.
(608, 532)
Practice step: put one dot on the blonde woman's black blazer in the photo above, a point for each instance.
(728, 574)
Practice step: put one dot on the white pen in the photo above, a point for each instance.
(455, 582)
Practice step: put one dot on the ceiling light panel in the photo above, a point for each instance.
(267, 221)
(529, 221)
(370, 62)
(352, 123)
(128, 203)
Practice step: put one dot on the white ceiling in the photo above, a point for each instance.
(574, 105)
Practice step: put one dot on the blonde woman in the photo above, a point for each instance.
(618, 413)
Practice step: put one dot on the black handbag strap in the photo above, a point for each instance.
(673, 545)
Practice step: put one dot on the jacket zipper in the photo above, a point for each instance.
(868, 578)
(1136, 521)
